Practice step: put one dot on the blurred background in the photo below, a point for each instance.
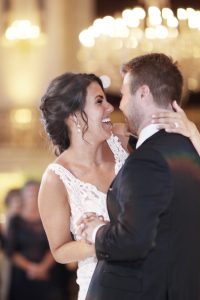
(40, 39)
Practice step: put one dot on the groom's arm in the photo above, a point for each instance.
(144, 194)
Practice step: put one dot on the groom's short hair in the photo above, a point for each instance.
(159, 73)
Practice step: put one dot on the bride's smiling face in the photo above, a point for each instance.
(98, 111)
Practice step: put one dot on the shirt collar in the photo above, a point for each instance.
(145, 133)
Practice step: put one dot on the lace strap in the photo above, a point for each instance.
(65, 176)
(119, 152)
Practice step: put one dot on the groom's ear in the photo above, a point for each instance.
(144, 91)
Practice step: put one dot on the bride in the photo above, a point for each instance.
(90, 151)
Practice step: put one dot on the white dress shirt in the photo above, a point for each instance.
(145, 133)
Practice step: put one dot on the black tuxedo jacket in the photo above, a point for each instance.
(150, 250)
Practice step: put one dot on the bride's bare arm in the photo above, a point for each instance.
(55, 214)
(195, 139)
(178, 122)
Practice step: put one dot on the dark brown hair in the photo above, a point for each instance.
(65, 96)
(159, 73)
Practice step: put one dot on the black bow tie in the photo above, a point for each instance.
(133, 141)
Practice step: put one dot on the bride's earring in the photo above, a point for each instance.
(78, 126)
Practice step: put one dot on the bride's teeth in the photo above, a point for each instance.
(106, 120)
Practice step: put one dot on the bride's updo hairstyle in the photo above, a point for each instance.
(65, 95)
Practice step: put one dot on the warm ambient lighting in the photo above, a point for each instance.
(137, 20)
(106, 81)
(109, 41)
(21, 116)
(22, 30)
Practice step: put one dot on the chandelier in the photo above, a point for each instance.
(112, 40)
(22, 21)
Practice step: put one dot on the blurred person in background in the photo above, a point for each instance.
(13, 203)
(34, 273)
(1, 260)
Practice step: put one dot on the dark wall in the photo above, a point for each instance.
(109, 7)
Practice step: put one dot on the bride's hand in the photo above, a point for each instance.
(176, 122)
(82, 222)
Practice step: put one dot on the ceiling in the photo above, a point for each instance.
(105, 7)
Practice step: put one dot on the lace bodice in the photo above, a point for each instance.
(85, 197)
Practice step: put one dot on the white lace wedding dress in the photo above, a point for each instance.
(85, 197)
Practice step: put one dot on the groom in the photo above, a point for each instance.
(150, 250)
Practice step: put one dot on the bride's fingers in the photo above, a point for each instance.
(171, 128)
(167, 120)
(84, 235)
(86, 216)
(178, 130)
(177, 114)
(174, 121)
(177, 107)
(89, 214)
(167, 123)
(80, 221)
(176, 127)
(100, 217)
(80, 229)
